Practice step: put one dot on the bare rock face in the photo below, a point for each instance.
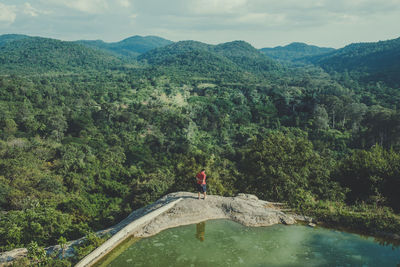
(244, 208)
(9, 256)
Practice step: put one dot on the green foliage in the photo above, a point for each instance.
(82, 143)
(37, 257)
(224, 60)
(246, 57)
(370, 61)
(295, 51)
(47, 262)
(90, 243)
(34, 54)
(130, 47)
(284, 168)
(62, 242)
(43, 225)
(6, 38)
(371, 176)
(362, 218)
(35, 253)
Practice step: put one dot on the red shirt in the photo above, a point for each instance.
(201, 178)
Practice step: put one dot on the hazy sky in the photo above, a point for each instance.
(263, 23)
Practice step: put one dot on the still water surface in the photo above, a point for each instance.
(226, 243)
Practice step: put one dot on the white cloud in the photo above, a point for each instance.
(86, 6)
(30, 10)
(262, 18)
(337, 6)
(124, 3)
(7, 14)
(209, 7)
(267, 22)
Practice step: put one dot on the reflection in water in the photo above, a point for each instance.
(232, 244)
(200, 231)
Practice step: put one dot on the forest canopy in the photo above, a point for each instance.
(86, 137)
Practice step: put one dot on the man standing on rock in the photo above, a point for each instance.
(201, 183)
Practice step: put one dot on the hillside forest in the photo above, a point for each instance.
(87, 134)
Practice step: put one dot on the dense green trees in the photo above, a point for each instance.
(97, 147)
(79, 151)
(365, 61)
(236, 60)
(39, 55)
(128, 48)
(372, 176)
(283, 166)
(295, 51)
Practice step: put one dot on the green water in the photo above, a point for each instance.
(226, 243)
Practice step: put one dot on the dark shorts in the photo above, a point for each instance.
(201, 188)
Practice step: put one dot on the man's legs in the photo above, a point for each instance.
(198, 194)
(205, 194)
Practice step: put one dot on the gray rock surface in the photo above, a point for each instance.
(14, 254)
(244, 208)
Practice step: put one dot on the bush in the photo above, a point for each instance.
(36, 253)
(91, 242)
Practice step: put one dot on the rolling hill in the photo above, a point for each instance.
(193, 56)
(246, 56)
(6, 38)
(295, 51)
(130, 47)
(378, 61)
(36, 54)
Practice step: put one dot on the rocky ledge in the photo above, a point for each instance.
(244, 208)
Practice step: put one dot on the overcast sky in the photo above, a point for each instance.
(263, 23)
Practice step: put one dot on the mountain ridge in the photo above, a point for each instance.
(373, 61)
(236, 55)
(129, 47)
(294, 51)
(38, 54)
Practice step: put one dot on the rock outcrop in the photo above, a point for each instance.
(244, 208)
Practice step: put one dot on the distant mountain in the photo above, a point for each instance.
(237, 56)
(6, 38)
(379, 61)
(36, 54)
(189, 56)
(130, 47)
(246, 56)
(295, 51)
